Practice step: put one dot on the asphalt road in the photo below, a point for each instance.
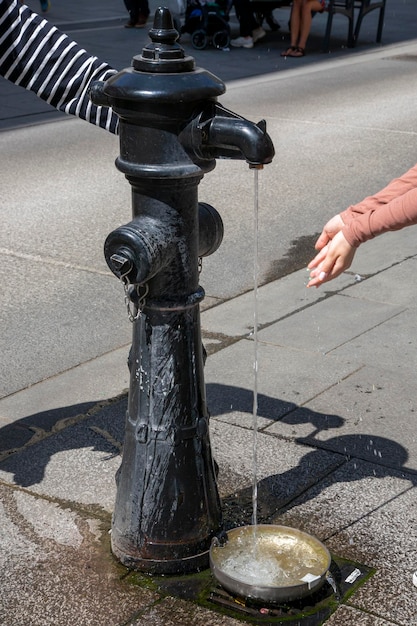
(98, 27)
(342, 128)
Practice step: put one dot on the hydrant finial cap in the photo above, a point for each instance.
(163, 27)
(164, 54)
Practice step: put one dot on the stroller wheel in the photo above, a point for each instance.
(221, 39)
(199, 39)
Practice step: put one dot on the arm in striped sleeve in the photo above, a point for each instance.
(37, 56)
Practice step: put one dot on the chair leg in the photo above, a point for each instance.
(367, 9)
(351, 37)
(350, 14)
(326, 40)
(347, 9)
(380, 23)
(358, 23)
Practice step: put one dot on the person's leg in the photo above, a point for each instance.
(133, 10)
(244, 14)
(306, 16)
(295, 24)
(309, 7)
(144, 8)
(248, 25)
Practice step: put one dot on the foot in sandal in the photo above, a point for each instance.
(287, 52)
(297, 52)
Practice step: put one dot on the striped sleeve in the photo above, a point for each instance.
(37, 56)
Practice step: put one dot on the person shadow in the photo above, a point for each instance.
(27, 446)
(368, 455)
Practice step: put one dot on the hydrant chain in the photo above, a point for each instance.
(135, 298)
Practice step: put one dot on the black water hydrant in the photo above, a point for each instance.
(172, 129)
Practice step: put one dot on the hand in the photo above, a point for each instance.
(334, 258)
(333, 226)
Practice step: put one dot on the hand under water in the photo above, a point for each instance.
(335, 254)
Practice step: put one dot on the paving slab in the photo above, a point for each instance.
(328, 324)
(283, 471)
(62, 484)
(389, 594)
(372, 487)
(372, 400)
(235, 318)
(363, 411)
(389, 346)
(336, 452)
(54, 569)
(275, 300)
(395, 285)
(375, 525)
(350, 615)
(171, 612)
(78, 463)
(384, 252)
(51, 403)
(286, 378)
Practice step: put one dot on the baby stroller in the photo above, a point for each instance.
(207, 22)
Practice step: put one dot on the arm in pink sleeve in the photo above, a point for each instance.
(396, 188)
(396, 214)
(392, 208)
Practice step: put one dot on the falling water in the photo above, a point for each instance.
(268, 558)
(255, 360)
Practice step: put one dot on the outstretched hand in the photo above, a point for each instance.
(335, 254)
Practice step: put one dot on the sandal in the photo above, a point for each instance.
(297, 52)
(287, 52)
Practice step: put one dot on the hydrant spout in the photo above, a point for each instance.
(220, 133)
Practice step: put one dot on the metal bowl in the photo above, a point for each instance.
(269, 563)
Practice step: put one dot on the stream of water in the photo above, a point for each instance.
(255, 359)
(256, 555)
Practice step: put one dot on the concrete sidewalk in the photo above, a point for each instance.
(337, 452)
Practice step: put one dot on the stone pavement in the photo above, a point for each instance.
(337, 451)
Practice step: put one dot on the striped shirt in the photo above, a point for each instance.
(37, 56)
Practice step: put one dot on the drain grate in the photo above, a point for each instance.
(345, 577)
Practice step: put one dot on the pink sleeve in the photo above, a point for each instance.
(392, 208)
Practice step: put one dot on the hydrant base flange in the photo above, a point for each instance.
(188, 565)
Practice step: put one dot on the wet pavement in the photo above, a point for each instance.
(337, 449)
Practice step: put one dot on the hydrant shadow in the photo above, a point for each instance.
(225, 399)
(279, 492)
(324, 461)
(28, 445)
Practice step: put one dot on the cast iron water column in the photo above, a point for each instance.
(171, 131)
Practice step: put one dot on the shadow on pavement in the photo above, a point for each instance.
(28, 446)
